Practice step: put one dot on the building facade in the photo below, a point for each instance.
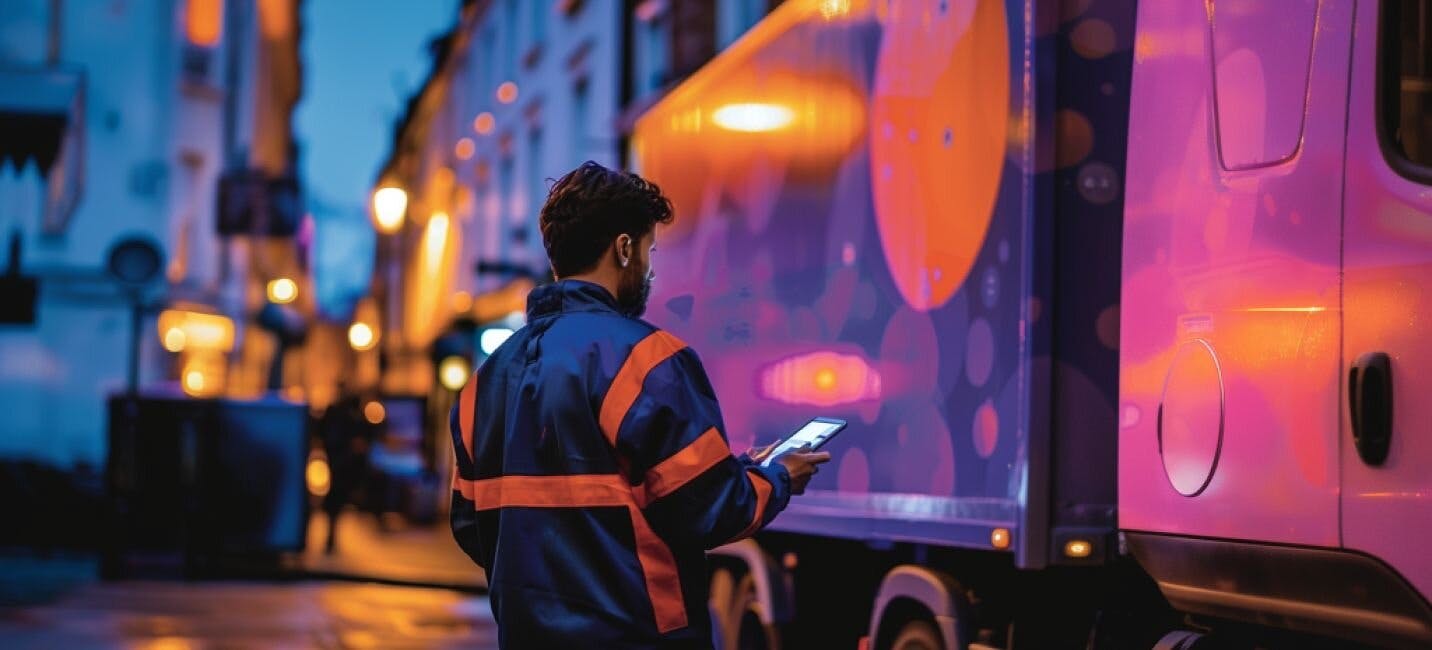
(521, 92)
(151, 105)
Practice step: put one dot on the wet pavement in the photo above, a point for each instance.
(366, 595)
(399, 553)
(152, 615)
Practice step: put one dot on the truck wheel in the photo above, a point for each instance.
(918, 634)
(736, 614)
(718, 602)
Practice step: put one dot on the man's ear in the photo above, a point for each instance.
(623, 249)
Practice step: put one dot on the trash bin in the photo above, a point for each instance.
(203, 480)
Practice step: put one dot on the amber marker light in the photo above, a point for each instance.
(999, 538)
(1078, 548)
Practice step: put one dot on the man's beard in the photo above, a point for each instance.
(633, 292)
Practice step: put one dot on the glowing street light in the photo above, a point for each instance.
(194, 383)
(389, 206)
(436, 234)
(180, 329)
(175, 339)
(361, 336)
(282, 291)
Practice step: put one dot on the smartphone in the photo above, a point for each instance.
(815, 433)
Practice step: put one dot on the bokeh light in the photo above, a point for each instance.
(453, 372)
(464, 149)
(174, 339)
(318, 475)
(194, 383)
(484, 123)
(282, 291)
(390, 205)
(461, 302)
(507, 92)
(374, 412)
(361, 336)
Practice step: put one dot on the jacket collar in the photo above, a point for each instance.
(569, 296)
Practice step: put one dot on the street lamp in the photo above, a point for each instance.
(389, 206)
(361, 336)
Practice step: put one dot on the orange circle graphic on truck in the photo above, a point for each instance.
(938, 133)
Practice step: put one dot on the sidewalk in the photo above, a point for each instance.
(404, 555)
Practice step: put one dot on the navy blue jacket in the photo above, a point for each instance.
(593, 472)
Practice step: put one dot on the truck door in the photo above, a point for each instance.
(1229, 355)
(1386, 449)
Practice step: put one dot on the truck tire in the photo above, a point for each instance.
(918, 634)
(1182, 640)
(736, 613)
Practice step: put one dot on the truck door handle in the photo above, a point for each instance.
(1369, 392)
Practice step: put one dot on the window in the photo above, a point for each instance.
(734, 18)
(486, 66)
(1261, 52)
(540, 10)
(537, 184)
(1406, 81)
(509, 209)
(203, 30)
(510, 38)
(579, 121)
(204, 22)
(651, 54)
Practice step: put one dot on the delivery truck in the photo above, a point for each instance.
(1114, 296)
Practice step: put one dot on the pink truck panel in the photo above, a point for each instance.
(1229, 369)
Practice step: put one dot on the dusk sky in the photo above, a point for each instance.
(362, 60)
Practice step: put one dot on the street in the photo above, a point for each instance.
(150, 615)
(331, 601)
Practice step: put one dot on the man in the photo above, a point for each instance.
(593, 470)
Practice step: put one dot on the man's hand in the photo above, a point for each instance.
(758, 454)
(802, 464)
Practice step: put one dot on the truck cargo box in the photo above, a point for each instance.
(897, 214)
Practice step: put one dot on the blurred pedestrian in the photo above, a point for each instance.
(347, 437)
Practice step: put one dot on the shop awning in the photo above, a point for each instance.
(42, 123)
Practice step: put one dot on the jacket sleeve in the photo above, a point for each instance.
(463, 514)
(673, 441)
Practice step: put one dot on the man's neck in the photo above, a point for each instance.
(603, 278)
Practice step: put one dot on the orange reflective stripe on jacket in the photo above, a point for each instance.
(658, 565)
(763, 497)
(574, 491)
(626, 387)
(682, 467)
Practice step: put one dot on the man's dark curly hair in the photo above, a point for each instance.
(589, 207)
